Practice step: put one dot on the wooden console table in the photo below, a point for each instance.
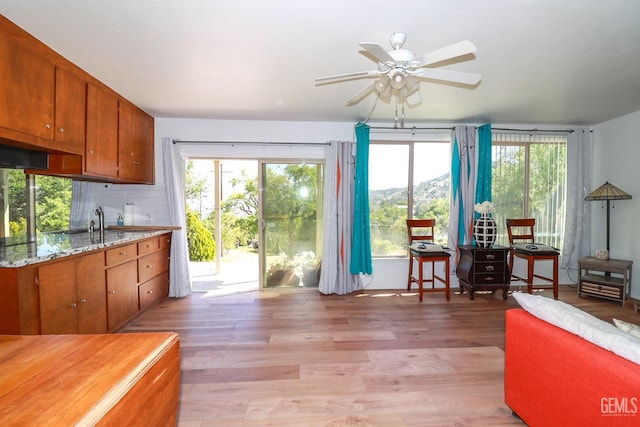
(608, 279)
(70, 380)
(483, 269)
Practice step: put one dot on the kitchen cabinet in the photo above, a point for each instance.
(122, 285)
(27, 87)
(51, 105)
(72, 296)
(135, 144)
(70, 116)
(153, 270)
(94, 291)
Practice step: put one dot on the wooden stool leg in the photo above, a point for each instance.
(446, 278)
(555, 277)
(420, 279)
(410, 272)
(530, 275)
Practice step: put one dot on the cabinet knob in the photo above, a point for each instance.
(149, 292)
(148, 266)
(74, 305)
(61, 130)
(47, 126)
(123, 253)
(83, 300)
(112, 292)
(90, 151)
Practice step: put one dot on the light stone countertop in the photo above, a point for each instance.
(50, 246)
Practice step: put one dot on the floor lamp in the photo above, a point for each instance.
(607, 192)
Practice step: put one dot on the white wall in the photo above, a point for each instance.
(613, 138)
(616, 151)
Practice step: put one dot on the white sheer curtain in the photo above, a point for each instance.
(463, 183)
(180, 279)
(337, 215)
(577, 232)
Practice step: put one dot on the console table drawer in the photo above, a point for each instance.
(487, 279)
(609, 291)
(489, 255)
(488, 267)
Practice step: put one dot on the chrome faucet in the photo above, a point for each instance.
(100, 214)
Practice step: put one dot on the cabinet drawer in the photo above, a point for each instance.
(148, 246)
(151, 291)
(609, 291)
(151, 265)
(489, 279)
(121, 254)
(489, 267)
(489, 255)
(165, 241)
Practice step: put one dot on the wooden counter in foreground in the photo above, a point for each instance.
(68, 380)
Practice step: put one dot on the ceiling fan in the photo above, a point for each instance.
(400, 70)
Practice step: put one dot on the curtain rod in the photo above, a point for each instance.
(535, 130)
(248, 143)
(411, 128)
(414, 128)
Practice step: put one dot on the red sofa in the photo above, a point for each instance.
(553, 377)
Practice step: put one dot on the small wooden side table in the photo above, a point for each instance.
(483, 269)
(608, 279)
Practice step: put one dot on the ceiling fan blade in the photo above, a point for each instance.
(452, 51)
(447, 75)
(378, 52)
(360, 95)
(348, 76)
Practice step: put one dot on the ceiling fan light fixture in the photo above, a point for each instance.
(398, 78)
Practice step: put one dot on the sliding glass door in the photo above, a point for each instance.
(291, 223)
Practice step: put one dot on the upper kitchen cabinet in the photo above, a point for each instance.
(27, 82)
(135, 144)
(49, 104)
(70, 112)
(101, 156)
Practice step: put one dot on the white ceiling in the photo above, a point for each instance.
(542, 61)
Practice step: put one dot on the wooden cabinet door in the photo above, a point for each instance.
(122, 294)
(135, 144)
(101, 152)
(58, 306)
(27, 88)
(70, 112)
(91, 294)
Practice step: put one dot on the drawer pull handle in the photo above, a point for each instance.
(491, 256)
(123, 253)
(490, 267)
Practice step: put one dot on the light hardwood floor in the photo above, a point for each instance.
(372, 358)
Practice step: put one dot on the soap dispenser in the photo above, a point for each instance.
(120, 220)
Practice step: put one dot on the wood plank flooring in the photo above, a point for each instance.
(372, 358)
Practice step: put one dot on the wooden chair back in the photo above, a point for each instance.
(521, 230)
(421, 229)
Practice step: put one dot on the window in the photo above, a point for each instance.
(407, 180)
(529, 181)
(44, 201)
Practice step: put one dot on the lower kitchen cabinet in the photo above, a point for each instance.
(72, 296)
(90, 293)
(122, 294)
